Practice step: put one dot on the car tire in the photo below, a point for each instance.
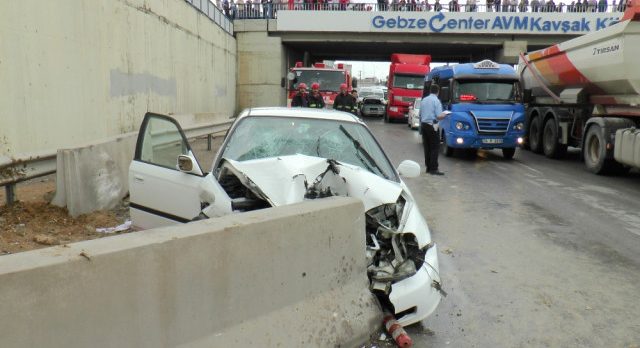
(508, 152)
(446, 150)
(535, 135)
(550, 144)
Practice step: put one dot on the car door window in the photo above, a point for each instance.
(161, 142)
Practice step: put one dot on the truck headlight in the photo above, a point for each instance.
(462, 125)
(393, 109)
(518, 126)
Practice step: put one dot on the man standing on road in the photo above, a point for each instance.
(344, 101)
(315, 99)
(301, 98)
(430, 113)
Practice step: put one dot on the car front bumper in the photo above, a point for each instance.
(417, 295)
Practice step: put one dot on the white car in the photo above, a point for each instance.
(278, 156)
(413, 120)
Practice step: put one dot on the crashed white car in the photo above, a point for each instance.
(277, 156)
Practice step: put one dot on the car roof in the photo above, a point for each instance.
(323, 114)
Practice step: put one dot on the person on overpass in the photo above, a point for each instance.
(315, 98)
(301, 98)
(430, 113)
(344, 101)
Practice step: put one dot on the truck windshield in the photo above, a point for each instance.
(491, 91)
(408, 81)
(329, 80)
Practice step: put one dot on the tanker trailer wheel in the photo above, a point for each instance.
(550, 144)
(535, 135)
(508, 152)
(595, 154)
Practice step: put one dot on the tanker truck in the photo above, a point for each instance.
(585, 93)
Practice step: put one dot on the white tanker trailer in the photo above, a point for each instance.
(585, 93)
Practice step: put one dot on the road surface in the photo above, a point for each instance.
(534, 252)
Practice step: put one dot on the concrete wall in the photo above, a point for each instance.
(261, 65)
(292, 276)
(76, 71)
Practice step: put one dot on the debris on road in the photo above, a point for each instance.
(45, 240)
(396, 331)
(120, 228)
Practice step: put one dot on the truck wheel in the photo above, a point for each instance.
(550, 144)
(508, 153)
(446, 150)
(535, 135)
(386, 118)
(595, 153)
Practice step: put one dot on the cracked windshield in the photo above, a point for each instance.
(262, 137)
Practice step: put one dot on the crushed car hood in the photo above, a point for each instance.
(271, 175)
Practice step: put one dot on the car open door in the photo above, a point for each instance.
(165, 179)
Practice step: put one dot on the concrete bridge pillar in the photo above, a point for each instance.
(261, 65)
(510, 51)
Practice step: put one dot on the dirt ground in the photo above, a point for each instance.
(33, 223)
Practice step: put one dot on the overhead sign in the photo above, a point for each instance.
(537, 23)
(496, 22)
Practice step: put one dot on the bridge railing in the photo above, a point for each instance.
(270, 10)
(214, 13)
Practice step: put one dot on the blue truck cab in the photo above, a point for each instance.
(485, 104)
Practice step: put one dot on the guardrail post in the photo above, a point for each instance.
(10, 190)
(209, 142)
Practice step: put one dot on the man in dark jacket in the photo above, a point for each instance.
(301, 98)
(315, 98)
(344, 101)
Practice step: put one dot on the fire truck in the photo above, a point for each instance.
(328, 76)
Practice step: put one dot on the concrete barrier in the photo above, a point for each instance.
(94, 177)
(291, 276)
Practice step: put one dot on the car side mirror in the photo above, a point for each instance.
(283, 82)
(354, 83)
(185, 164)
(409, 169)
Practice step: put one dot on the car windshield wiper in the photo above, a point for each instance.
(364, 153)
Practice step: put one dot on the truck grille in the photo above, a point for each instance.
(492, 125)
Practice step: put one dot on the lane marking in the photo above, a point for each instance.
(531, 169)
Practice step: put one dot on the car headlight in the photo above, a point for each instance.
(518, 126)
(462, 125)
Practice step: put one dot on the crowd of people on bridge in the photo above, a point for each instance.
(242, 9)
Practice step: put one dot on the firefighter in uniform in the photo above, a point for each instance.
(344, 101)
(301, 98)
(315, 98)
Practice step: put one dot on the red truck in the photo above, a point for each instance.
(329, 77)
(405, 83)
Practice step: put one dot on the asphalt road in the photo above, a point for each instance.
(534, 252)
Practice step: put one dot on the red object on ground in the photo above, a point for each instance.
(396, 331)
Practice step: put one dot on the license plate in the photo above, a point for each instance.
(492, 141)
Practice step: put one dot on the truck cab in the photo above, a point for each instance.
(329, 78)
(405, 83)
(485, 104)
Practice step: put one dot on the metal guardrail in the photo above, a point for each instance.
(210, 10)
(16, 169)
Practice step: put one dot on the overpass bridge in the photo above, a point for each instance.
(268, 47)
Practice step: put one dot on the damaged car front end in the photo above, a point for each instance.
(274, 157)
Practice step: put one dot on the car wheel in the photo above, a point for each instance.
(446, 150)
(508, 153)
(550, 144)
(534, 135)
